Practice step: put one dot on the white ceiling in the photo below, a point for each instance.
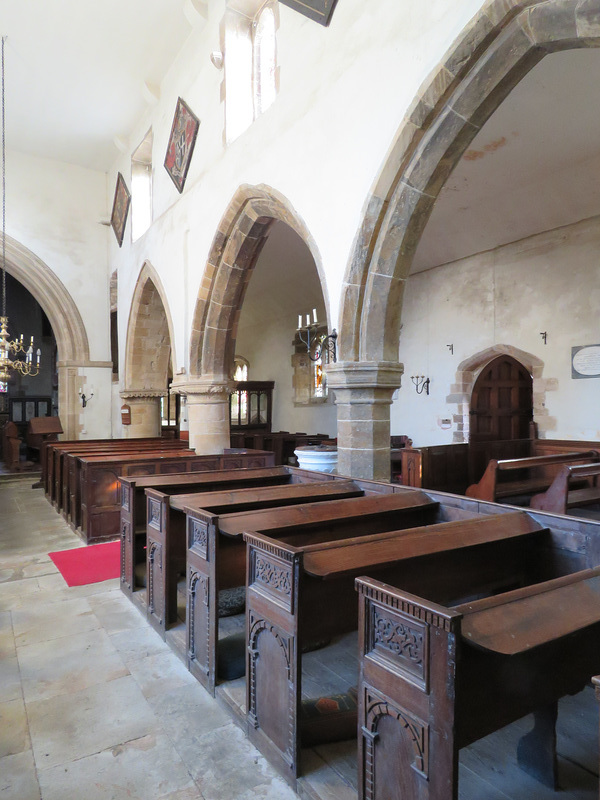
(534, 166)
(75, 70)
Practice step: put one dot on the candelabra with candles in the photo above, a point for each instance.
(25, 366)
(316, 344)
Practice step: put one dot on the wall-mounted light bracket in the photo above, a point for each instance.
(317, 345)
(421, 383)
(544, 335)
(451, 348)
(85, 399)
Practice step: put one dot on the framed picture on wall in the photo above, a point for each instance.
(319, 10)
(120, 208)
(181, 144)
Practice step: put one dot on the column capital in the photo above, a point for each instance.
(205, 387)
(132, 395)
(365, 375)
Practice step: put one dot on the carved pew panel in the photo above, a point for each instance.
(133, 503)
(331, 521)
(500, 658)
(304, 593)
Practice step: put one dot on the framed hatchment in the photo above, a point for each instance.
(120, 208)
(181, 144)
(319, 10)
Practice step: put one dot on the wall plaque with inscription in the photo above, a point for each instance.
(585, 361)
(319, 10)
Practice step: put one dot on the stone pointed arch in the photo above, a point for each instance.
(503, 42)
(53, 297)
(150, 341)
(67, 325)
(469, 370)
(237, 244)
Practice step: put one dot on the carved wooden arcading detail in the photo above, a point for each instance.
(154, 561)
(198, 592)
(125, 537)
(256, 626)
(416, 730)
(125, 497)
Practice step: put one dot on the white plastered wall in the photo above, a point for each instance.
(55, 210)
(510, 295)
(320, 145)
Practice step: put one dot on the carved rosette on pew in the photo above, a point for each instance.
(202, 593)
(145, 413)
(407, 748)
(273, 663)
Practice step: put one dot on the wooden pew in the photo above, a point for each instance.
(47, 458)
(560, 498)
(69, 492)
(304, 590)
(133, 505)
(216, 556)
(540, 472)
(52, 463)
(289, 583)
(453, 467)
(167, 525)
(437, 676)
(64, 464)
(100, 497)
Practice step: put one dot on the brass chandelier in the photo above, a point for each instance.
(26, 365)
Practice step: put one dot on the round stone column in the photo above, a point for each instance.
(208, 414)
(145, 414)
(363, 395)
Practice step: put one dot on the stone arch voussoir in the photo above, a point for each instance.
(149, 345)
(236, 247)
(502, 43)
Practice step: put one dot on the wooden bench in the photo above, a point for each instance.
(216, 556)
(133, 506)
(52, 458)
(304, 591)
(560, 498)
(100, 498)
(69, 492)
(540, 471)
(174, 522)
(437, 676)
(47, 453)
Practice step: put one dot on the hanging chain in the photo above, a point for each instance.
(3, 189)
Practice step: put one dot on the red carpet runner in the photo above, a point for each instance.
(93, 564)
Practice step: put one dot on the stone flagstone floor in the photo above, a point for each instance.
(83, 714)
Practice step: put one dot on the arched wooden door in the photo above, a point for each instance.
(502, 402)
